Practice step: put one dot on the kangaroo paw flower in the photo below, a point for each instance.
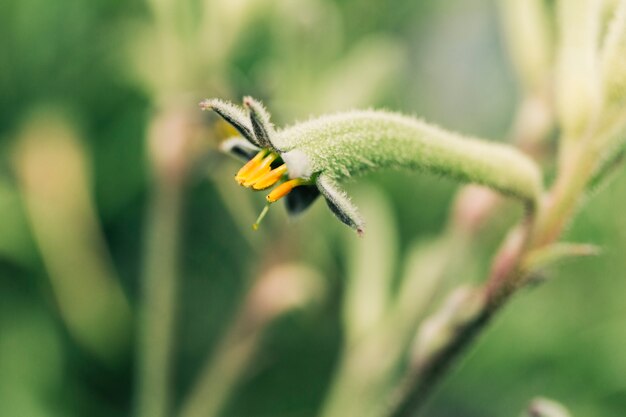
(312, 158)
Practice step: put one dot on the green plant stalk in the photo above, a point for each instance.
(529, 39)
(563, 200)
(428, 371)
(577, 80)
(579, 165)
(507, 275)
(440, 336)
(157, 308)
(369, 270)
(169, 139)
(322, 152)
(582, 152)
(613, 61)
(220, 375)
(578, 87)
(365, 371)
(417, 386)
(349, 144)
(281, 290)
(52, 170)
(465, 222)
(367, 367)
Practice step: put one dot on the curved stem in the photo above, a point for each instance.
(348, 144)
(507, 275)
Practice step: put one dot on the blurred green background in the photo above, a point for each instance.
(81, 200)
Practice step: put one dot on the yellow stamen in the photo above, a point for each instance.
(262, 169)
(270, 178)
(250, 166)
(283, 189)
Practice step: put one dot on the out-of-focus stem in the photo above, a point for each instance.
(158, 303)
(529, 40)
(473, 208)
(429, 369)
(561, 203)
(281, 289)
(365, 372)
(169, 139)
(219, 375)
(379, 323)
(578, 161)
(533, 122)
(441, 336)
(368, 365)
(53, 172)
(506, 277)
(577, 81)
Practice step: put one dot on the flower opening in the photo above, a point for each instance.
(263, 171)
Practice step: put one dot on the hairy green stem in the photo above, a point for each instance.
(349, 144)
(582, 149)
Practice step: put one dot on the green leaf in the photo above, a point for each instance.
(545, 257)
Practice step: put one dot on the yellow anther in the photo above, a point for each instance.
(262, 169)
(270, 178)
(283, 189)
(250, 166)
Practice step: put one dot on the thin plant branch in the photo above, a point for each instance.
(168, 141)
